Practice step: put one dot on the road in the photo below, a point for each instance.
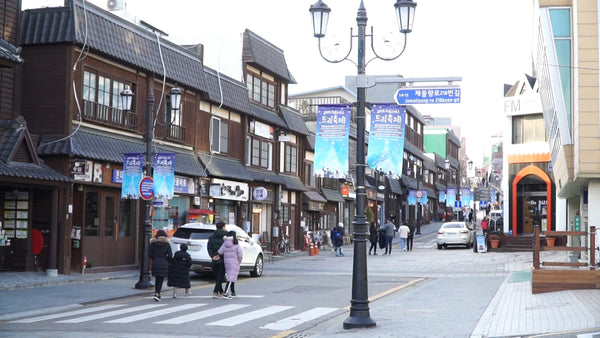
(435, 292)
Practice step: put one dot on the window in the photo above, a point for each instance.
(219, 135)
(91, 226)
(89, 86)
(261, 90)
(561, 28)
(102, 98)
(291, 159)
(528, 129)
(259, 153)
(309, 173)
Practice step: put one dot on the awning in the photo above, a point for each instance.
(314, 196)
(217, 166)
(266, 176)
(293, 183)
(201, 212)
(333, 195)
(395, 186)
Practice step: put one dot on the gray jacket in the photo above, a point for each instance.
(389, 229)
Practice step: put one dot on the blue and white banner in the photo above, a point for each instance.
(386, 138)
(450, 196)
(423, 197)
(132, 175)
(412, 197)
(331, 141)
(442, 197)
(164, 175)
(465, 197)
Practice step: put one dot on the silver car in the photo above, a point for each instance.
(196, 236)
(454, 233)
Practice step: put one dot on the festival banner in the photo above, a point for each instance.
(465, 197)
(423, 197)
(386, 138)
(412, 197)
(164, 175)
(450, 197)
(442, 197)
(132, 175)
(331, 141)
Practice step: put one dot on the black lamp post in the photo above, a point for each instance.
(447, 167)
(405, 10)
(419, 177)
(126, 99)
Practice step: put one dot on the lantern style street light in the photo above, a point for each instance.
(405, 10)
(126, 100)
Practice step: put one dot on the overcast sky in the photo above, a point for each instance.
(486, 43)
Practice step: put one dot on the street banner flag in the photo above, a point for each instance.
(423, 197)
(132, 175)
(465, 197)
(442, 197)
(450, 196)
(412, 197)
(164, 175)
(331, 141)
(386, 138)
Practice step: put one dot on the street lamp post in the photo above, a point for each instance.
(447, 167)
(126, 99)
(359, 309)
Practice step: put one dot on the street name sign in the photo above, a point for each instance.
(427, 95)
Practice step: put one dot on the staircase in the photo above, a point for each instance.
(514, 244)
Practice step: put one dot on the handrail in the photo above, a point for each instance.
(537, 247)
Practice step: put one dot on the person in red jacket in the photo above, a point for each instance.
(484, 225)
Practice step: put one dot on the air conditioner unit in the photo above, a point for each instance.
(115, 5)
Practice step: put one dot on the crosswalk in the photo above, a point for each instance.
(279, 317)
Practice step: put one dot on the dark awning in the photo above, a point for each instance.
(293, 183)
(395, 186)
(217, 166)
(314, 196)
(266, 176)
(333, 195)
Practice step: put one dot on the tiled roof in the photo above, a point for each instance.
(395, 186)
(9, 52)
(314, 196)
(333, 195)
(293, 182)
(96, 146)
(13, 135)
(217, 166)
(108, 34)
(234, 93)
(266, 176)
(294, 120)
(261, 52)
(266, 116)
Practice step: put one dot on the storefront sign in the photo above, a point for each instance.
(259, 194)
(229, 190)
(87, 173)
(315, 206)
(184, 185)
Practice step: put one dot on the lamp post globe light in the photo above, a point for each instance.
(126, 100)
(405, 9)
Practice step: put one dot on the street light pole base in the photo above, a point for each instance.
(143, 284)
(358, 323)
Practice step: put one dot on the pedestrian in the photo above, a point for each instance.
(403, 232)
(179, 270)
(411, 236)
(338, 239)
(160, 253)
(484, 225)
(389, 229)
(373, 234)
(232, 255)
(214, 244)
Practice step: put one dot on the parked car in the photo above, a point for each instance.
(454, 233)
(196, 235)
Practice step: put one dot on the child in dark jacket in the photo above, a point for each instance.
(179, 271)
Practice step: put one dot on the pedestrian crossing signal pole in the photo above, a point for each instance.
(359, 308)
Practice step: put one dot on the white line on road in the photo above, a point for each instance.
(246, 317)
(203, 314)
(156, 313)
(300, 318)
(66, 314)
(110, 314)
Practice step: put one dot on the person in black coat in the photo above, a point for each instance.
(160, 253)
(179, 271)
(373, 238)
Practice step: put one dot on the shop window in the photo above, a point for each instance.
(92, 217)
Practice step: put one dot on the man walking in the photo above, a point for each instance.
(388, 228)
(411, 236)
(214, 244)
(403, 231)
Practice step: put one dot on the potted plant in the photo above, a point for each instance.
(494, 238)
(550, 241)
(89, 264)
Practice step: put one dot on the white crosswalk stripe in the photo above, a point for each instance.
(110, 314)
(203, 314)
(300, 318)
(156, 313)
(66, 314)
(235, 320)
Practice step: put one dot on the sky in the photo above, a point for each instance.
(486, 43)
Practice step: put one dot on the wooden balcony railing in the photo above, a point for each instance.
(93, 111)
(557, 234)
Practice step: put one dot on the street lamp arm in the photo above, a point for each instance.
(377, 56)
(342, 59)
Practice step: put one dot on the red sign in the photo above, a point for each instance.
(419, 193)
(147, 188)
(345, 191)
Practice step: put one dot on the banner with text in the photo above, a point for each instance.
(465, 197)
(331, 141)
(164, 175)
(386, 138)
(132, 175)
(442, 197)
(450, 197)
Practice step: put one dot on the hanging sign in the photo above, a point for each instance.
(146, 188)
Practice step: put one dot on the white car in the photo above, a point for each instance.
(454, 233)
(196, 235)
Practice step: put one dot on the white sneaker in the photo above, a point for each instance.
(226, 297)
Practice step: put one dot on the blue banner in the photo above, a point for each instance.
(442, 197)
(331, 141)
(412, 197)
(164, 175)
(132, 175)
(450, 196)
(386, 138)
(423, 197)
(465, 197)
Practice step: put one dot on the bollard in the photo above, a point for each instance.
(312, 250)
(316, 249)
(84, 264)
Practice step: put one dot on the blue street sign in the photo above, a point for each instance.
(427, 95)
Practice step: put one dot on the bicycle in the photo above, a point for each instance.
(283, 246)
